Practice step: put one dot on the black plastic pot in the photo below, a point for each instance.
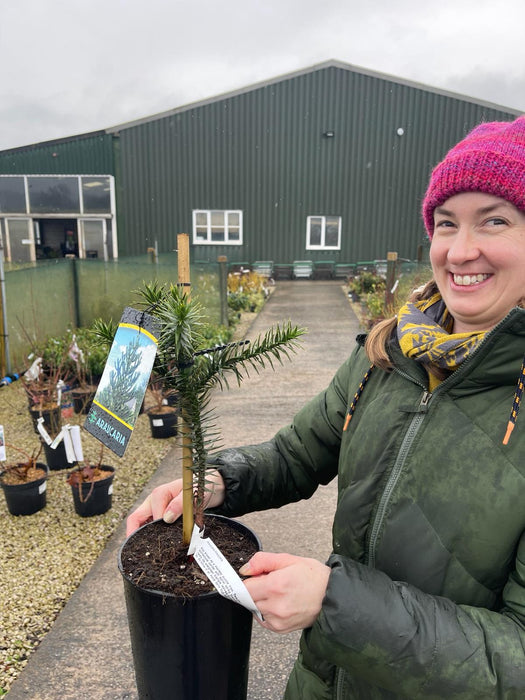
(94, 498)
(56, 458)
(82, 399)
(52, 418)
(188, 648)
(26, 499)
(163, 425)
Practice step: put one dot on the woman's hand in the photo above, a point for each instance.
(166, 502)
(288, 590)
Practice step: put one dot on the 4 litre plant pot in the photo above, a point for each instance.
(56, 458)
(187, 648)
(82, 399)
(163, 424)
(52, 418)
(26, 498)
(94, 498)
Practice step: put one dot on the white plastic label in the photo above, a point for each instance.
(56, 442)
(157, 422)
(220, 572)
(42, 488)
(2, 444)
(110, 490)
(43, 432)
(72, 443)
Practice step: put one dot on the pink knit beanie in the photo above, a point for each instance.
(490, 159)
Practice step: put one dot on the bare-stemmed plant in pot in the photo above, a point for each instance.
(24, 483)
(188, 641)
(161, 409)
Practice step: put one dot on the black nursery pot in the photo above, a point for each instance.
(96, 497)
(52, 418)
(56, 458)
(163, 425)
(189, 648)
(26, 499)
(82, 400)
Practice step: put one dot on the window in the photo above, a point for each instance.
(323, 232)
(217, 227)
(13, 195)
(96, 195)
(56, 195)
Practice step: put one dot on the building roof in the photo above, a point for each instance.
(332, 63)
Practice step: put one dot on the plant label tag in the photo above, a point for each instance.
(43, 432)
(2, 444)
(56, 442)
(220, 572)
(123, 384)
(72, 443)
(60, 388)
(74, 432)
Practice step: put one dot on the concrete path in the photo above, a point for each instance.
(87, 654)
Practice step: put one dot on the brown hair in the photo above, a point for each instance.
(377, 340)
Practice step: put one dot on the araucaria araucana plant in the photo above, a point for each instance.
(186, 365)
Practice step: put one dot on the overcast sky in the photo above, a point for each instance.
(71, 66)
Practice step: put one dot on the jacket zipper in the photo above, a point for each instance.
(410, 435)
(339, 679)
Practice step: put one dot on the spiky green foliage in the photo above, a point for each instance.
(193, 370)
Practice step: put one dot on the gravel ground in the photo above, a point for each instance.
(43, 557)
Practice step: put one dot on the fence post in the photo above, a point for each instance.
(5, 359)
(76, 292)
(391, 265)
(223, 288)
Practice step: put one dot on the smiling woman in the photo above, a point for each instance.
(424, 593)
(478, 258)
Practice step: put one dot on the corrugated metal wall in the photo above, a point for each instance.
(263, 151)
(89, 154)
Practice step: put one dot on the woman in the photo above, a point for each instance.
(424, 593)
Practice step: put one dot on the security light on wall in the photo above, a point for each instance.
(329, 134)
(400, 131)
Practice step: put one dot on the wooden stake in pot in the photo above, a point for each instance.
(183, 268)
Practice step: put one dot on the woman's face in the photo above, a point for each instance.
(478, 258)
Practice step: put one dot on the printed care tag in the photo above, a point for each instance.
(119, 396)
(2, 444)
(220, 572)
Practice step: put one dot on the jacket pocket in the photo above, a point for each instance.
(304, 684)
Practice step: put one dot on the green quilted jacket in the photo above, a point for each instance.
(426, 598)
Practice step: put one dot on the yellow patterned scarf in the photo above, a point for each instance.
(424, 333)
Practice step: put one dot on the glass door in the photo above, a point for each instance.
(20, 241)
(93, 239)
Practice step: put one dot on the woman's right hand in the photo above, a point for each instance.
(166, 502)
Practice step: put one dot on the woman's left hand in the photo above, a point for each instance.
(288, 590)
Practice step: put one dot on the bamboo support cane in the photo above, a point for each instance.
(183, 268)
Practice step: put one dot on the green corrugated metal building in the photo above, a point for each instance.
(329, 163)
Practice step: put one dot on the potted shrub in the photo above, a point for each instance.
(88, 360)
(92, 488)
(162, 409)
(43, 386)
(192, 645)
(24, 484)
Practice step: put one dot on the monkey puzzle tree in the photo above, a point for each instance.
(187, 366)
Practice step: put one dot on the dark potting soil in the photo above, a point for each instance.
(155, 558)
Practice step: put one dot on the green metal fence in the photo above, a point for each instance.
(48, 298)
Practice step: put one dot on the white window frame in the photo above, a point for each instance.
(322, 246)
(227, 227)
